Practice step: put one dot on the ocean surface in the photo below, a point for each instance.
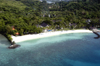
(75, 49)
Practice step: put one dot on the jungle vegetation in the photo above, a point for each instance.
(25, 15)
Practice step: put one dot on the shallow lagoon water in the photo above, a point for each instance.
(75, 49)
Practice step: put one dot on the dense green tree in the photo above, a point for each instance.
(25, 15)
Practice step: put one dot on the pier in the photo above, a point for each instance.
(96, 31)
(13, 46)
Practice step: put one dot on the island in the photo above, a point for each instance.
(19, 18)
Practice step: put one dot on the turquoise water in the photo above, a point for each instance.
(63, 50)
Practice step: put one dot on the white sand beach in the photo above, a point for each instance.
(47, 34)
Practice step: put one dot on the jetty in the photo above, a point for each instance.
(13, 46)
(96, 31)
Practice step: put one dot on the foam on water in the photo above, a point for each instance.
(62, 50)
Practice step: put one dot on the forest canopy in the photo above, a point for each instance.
(25, 15)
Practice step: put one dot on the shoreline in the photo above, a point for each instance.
(46, 34)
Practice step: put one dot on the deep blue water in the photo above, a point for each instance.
(63, 50)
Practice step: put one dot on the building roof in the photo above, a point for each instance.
(43, 24)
